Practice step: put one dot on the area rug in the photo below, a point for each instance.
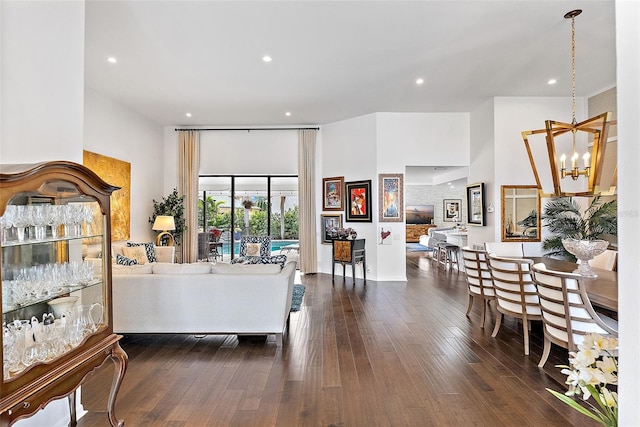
(296, 298)
(417, 247)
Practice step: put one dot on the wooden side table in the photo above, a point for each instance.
(349, 252)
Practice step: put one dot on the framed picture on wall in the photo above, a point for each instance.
(452, 210)
(358, 201)
(390, 200)
(333, 193)
(475, 204)
(327, 222)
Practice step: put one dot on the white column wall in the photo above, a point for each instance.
(42, 81)
(628, 70)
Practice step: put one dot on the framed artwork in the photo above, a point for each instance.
(452, 210)
(475, 204)
(390, 200)
(327, 222)
(333, 193)
(358, 201)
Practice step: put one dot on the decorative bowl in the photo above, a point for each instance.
(585, 250)
(62, 305)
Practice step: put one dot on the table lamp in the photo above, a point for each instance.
(164, 223)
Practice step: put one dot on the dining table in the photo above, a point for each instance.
(602, 290)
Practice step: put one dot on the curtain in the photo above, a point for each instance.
(188, 171)
(307, 201)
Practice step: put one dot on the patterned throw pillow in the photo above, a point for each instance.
(263, 241)
(253, 249)
(150, 249)
(136, 252)
(123, 260)
(275, 259)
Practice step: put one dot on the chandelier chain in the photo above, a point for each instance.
(573, 70)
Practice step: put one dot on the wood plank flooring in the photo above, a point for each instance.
(374, 354)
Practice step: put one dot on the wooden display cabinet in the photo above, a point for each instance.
(350, 252)
(49, 212)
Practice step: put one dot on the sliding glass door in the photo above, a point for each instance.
(233, 206)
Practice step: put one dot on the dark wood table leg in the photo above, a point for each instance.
(72, 409)
(119, 358)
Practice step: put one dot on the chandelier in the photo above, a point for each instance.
(581, 147)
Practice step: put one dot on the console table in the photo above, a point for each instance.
(349, 252)
(414, 231)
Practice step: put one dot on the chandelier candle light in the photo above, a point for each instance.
(591, 132)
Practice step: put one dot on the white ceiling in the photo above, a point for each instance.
(334, 60)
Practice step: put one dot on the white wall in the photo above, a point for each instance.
(42, 81)
(114, 130)
(481, 169)
(363, 147)
(348, 148)
(628, 70)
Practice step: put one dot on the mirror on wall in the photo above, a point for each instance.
(520, 213)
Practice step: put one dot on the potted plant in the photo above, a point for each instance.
(564, 218)
(172, 205)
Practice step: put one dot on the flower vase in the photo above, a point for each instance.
(585, 250)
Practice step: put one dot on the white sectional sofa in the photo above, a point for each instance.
(201, 298)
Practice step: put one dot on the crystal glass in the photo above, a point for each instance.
(585, 250)
(21, 221)
(55, 217)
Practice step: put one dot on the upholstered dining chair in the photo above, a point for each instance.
(505, 249)
(567, 314)
(515, 292)
(479, 281)
(607, 260)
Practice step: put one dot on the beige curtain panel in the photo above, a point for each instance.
(307, 200)
(188, 171)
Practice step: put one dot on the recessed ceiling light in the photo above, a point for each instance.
(267, 58)
(419, 81)
(288, 113)
(111, 59)
(552, 81)
(188, 114)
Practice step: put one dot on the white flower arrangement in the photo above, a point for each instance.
(592, 369)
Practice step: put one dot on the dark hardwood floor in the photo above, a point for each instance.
(380, 354)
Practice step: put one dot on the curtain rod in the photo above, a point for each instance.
(247, 129)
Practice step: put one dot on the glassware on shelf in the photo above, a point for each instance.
(54, 216)
(22, 221)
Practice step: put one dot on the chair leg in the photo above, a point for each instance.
(498, 323)
(525, 331)
(484, 312)
(545, 352)
(470, 305)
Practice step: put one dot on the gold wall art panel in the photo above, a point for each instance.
(114, 172)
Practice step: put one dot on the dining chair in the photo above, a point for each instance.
(479, 281)
(567, 314)
(505, 249)
(607, 260)
(515, 292)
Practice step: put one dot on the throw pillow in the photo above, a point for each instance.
(253, 249)
(136, 252)
(123, 260)
(149, 247)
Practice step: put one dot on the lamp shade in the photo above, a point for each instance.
(164, 223)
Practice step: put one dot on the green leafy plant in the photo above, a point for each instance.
(563, 217)
(172, 205)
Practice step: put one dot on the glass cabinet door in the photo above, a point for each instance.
(53, 293)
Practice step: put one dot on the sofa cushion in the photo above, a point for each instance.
(136, 252)
(253, 249)
(132, 269)
(274, 259)
(123, 260)
(116, 247)
(222, 268)
(149, 247)
(193, 268)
